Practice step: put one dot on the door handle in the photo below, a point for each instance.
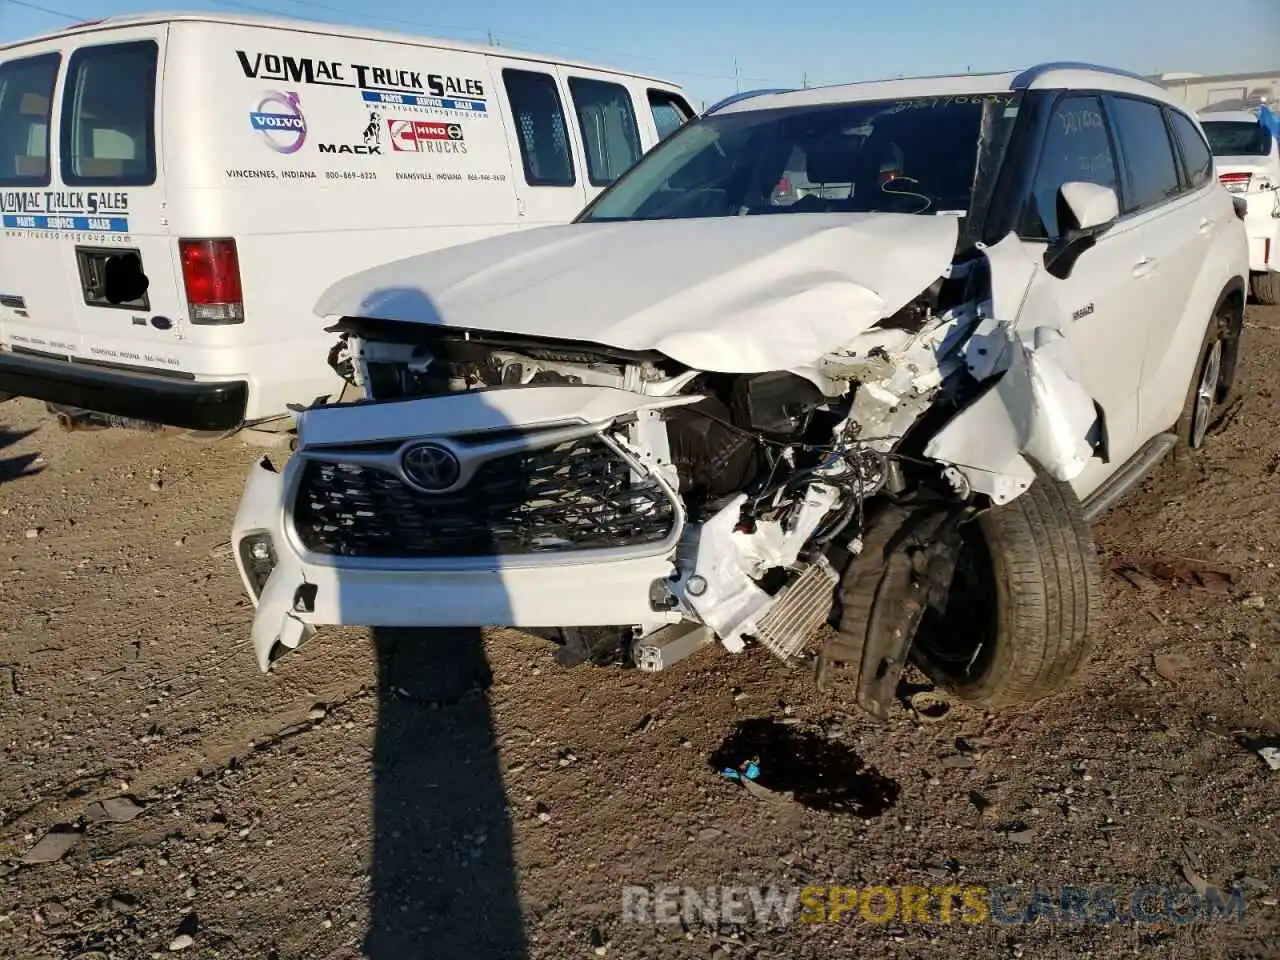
(1145, 267)
(1206, 225)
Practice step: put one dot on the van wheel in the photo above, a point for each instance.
(1016, 623)
(1266, 287)
(1205, 390)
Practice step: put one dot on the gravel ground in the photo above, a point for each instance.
(452, 794)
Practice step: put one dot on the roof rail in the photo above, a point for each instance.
(1029, 76)
(744, 95)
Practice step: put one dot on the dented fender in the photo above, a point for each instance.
(981, 443)
(1038, 411)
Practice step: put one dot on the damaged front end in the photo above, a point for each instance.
(497, 479)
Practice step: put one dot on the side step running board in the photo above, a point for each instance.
(1119, 483)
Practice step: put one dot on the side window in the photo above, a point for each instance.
(670, 113)
(1151, 174)
(1196, 156)
(26, 105)
(1076, 147)
(108, 116)
(539, 118)
(609, 131)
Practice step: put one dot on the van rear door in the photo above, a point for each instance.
(105, 287)
(128, 290)
(35, 305)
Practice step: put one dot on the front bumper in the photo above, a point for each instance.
(296, 590)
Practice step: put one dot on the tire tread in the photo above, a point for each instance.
(1048, 583)
(1265, 287)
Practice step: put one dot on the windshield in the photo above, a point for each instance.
(918, 156)
(1237, 138)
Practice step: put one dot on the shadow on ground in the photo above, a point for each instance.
(23, 465)
(444, 875)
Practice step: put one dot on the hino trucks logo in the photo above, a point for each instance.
(278, 117)
(422, 136)
(378, 85)
(430, 467)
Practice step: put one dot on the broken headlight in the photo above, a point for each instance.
(257, 559)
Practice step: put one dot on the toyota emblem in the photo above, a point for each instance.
(430, 467)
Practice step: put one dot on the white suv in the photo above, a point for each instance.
(889, 408)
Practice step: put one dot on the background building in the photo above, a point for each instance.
(1198, 91)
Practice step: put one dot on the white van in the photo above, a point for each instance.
(177, 191)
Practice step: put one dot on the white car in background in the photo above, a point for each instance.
(1247, 156)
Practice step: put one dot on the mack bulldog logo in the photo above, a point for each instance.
(371, 136)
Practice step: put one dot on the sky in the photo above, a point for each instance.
(714, 47)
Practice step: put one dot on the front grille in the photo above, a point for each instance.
(577, 495)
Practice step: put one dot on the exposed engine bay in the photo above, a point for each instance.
(763, 434)
(736, 434)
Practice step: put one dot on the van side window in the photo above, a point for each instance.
(1196, 156)
(609, 131)
(540, 125)
(108, 116)
(1150, 171)
(26, 105)
(670, 113)
(1076, 147)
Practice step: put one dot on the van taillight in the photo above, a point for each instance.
(211, 273)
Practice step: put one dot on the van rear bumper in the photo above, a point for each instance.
(172, 401)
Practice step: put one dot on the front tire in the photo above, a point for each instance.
(1017, 620)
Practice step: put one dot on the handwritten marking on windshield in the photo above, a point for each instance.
(935, 103)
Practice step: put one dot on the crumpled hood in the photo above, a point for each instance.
(734, 294)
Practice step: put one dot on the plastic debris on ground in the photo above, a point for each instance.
(749, 770)
(1272, 756)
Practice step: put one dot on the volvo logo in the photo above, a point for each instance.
(430, 467)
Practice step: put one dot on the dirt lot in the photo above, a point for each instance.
(457, 796)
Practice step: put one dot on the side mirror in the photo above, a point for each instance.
(1085, 210)
(1090, 205)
